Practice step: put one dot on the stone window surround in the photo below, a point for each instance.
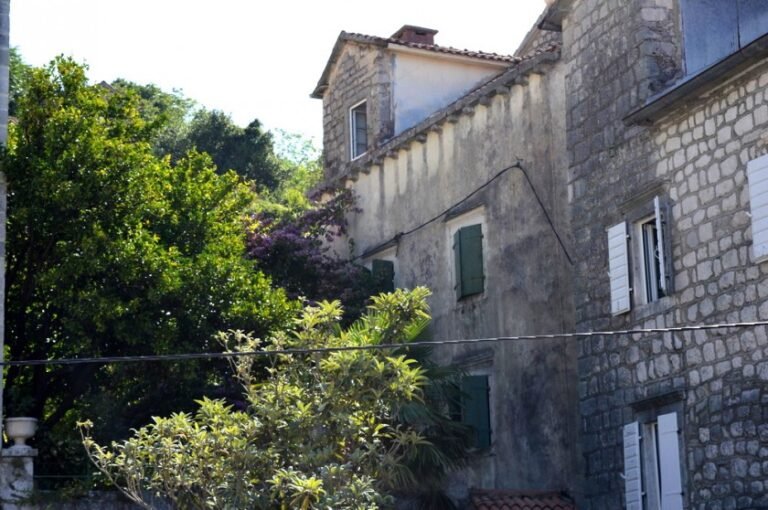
(455, 222)
(648, 410)
(633, 210)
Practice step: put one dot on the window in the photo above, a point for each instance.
(472, 408)
(757, 175)
(383, 272)
(652, 469)
(468, 257)
(358, 130)
(647, 246)
(714, 29)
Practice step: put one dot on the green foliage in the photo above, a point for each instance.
(113, 251)
(170, 112)
(317, 431)
(18, 74)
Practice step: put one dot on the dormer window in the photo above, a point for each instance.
(714, 29)
(358, 130)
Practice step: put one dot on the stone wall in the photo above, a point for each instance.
(619, 54)
(362, 73)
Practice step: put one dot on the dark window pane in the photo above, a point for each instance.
(710, 29)
(475, 408)
(471, 254)
(384, 275)
(753, 20)
(359, 131)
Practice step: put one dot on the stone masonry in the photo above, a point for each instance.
(362, 73)
(695, 153)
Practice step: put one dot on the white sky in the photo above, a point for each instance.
(249, 58)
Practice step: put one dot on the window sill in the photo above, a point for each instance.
(694, 85)
(646, 310)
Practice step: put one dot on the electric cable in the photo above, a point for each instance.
(106, 360)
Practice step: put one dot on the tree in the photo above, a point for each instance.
(113, 251)
(248, 151)
(18, 73)
(170, 112)
(320, 431)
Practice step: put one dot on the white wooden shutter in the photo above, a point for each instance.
(661, 221)
(633, 481)
(757, 174)
(618, 268)
(669, 463)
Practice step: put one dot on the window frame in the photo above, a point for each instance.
(649, 467)
(388, 255)
(457, 410)
(653, 214)
(474, 217)
(353, 141)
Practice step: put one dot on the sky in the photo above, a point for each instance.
(248, 58)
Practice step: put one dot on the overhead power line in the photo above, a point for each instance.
(107, 360)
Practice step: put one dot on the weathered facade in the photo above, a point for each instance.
(644, 137)
(667, 117)
(489, 162)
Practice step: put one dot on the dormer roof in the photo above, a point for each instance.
(407, 37)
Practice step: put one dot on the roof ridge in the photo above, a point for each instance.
(430, 47)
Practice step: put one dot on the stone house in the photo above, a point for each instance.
(458, 162)
(613, 181)
(667, 139)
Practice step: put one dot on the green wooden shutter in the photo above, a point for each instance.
(384, 275)
(475, 411)
(457, 263)
(468, 252)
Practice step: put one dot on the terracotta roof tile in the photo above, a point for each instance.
(515, 500)
(429, 47)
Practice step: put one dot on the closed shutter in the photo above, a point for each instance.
(633, 481)
(468, 256)
(475, 409)
(757, 173)
(384, 275)
(618, 268)
(669, 463)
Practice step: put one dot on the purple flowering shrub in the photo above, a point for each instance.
(295, 252)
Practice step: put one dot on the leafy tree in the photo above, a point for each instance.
(319, 431)
(18, 73)
(170, 112)
(113, 251)
(248, 151)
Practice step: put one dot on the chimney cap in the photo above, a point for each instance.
(416, 34)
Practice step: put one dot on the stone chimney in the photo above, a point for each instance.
(414, 34)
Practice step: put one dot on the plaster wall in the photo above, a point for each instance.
(527, 287)
(425, 84)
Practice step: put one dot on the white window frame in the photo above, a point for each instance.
(649, 255)
(474, 217)
(353, 130)
(652, 464)
(644, 256)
